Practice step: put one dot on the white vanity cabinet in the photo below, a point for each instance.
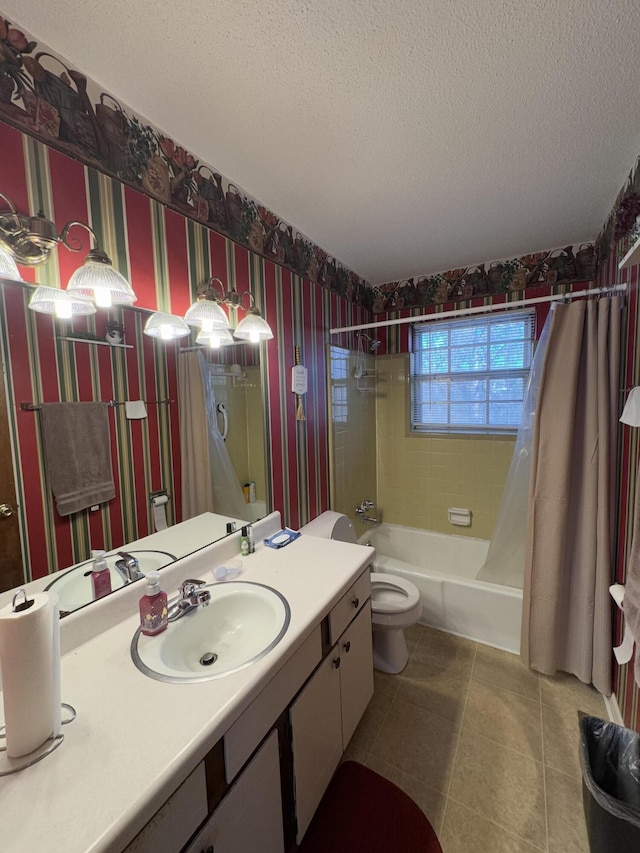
(325, 714)
(250, 815)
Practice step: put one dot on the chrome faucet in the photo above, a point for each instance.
(128, 567)
(190, 598)
(363, 509)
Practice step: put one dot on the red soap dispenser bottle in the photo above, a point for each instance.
(153, 606)
(100, 575)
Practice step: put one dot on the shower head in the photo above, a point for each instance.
(373, 346)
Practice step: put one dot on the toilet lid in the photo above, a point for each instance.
(392, 594)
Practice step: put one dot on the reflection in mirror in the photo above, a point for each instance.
(83, 360)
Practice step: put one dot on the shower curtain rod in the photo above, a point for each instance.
(480, 309)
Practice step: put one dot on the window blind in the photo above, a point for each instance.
(470, 375)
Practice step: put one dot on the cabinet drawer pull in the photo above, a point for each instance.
(336, 663)
(347, 646)
(356, 602)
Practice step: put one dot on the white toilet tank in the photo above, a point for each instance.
(331, 525)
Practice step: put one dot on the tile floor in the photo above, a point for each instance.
(487, 748)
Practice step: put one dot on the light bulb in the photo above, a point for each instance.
(63, 309)
(102, 297)
(254, 337)
(207, 325)
(166, 332)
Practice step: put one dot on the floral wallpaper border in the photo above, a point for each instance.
(42, 95)
(556, 266)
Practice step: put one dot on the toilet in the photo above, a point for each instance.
(395, 602)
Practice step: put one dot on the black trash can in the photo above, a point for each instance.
(610, 761)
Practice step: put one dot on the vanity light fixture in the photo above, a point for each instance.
(29, 240)
(206, 313)
(167, 327)
(215, 339)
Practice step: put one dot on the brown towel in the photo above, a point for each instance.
(77, 453)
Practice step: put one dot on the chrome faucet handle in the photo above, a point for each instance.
(128, 567)
(188, 588)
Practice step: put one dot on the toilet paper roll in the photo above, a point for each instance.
(30, 664)
(159, 512)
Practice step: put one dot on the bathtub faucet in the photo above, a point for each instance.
(363, 509)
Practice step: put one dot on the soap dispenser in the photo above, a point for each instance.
(153, 606)
(100, 575)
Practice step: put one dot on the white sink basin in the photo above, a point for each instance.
(74, 587)
(242, 622)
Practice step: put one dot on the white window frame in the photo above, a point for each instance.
(422, 379)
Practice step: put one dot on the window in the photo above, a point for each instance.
(470, 375)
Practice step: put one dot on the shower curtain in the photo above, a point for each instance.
(505, 558)
(566, 619)
(209, 482)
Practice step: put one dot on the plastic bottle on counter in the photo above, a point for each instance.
(250, 537)
(100, 575)
(154, 612)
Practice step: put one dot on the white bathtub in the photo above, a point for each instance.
(444, 569)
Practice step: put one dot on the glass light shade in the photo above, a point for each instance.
(8, 267)
(253, 328)
(207, 315)
(101, 283)
(216, 338)
(59, 303)
(167, 327)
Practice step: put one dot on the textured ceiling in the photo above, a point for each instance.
(405, 136)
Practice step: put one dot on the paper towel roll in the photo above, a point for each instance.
(30, 664)
(159, 512)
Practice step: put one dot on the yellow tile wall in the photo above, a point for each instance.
(352, 438)
(421, 476)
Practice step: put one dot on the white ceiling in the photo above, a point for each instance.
(404, 137)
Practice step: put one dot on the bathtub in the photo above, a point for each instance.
(444, 569)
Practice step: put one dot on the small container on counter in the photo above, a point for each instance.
(100, 575)
(154, 612)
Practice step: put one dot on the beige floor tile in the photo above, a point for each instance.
(561, 739)
(437, 689)
(567, 829)
(447, 650)
(355, 753)
(384, 691)
(418, 743)
(505, 717)
(503, 786)
(566, 691)
(464, 831)
(413, 635)
(505, 670)
(431, 802)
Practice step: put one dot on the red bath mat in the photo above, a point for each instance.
(361, 812)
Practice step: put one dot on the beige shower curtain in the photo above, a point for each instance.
(197, 484)
(566, 620)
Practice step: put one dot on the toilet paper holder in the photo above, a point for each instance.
(160, 493)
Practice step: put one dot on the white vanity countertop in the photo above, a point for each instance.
(135, 739)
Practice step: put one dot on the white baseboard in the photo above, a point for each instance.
(613, 709)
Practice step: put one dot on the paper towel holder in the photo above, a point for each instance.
(50, 745)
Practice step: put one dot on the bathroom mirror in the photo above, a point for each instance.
(92, 359)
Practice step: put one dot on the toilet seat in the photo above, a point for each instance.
(391, 594)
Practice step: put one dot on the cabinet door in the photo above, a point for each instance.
(316, 738)
(250, 816)
(356, 671)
